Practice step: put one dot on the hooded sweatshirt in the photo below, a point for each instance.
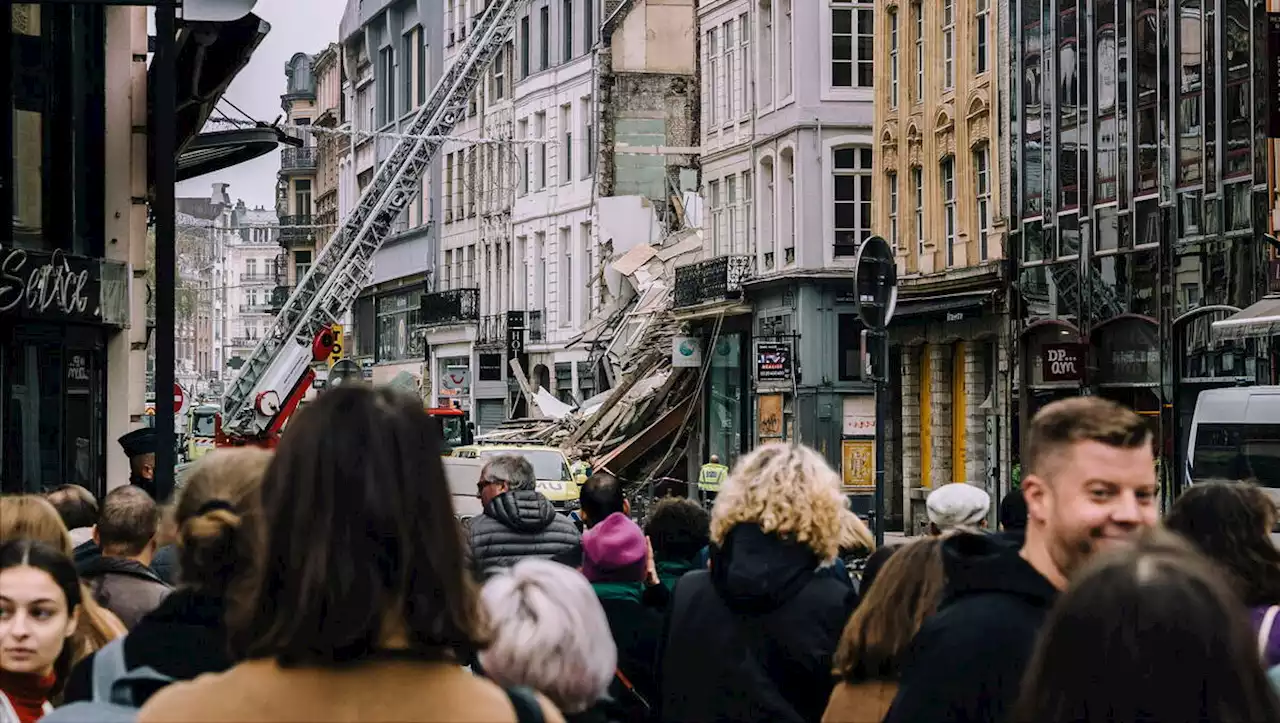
(966, 663)
(519, 524)
(752, 639)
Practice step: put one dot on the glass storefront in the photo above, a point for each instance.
(52, 407)
(727, 399)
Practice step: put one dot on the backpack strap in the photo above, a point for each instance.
(1264, 630)
(528, 709)
(108, 667)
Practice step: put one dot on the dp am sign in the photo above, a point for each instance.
(1061, 362)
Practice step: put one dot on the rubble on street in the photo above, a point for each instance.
(639, 427)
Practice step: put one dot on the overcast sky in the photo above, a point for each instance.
(296, 26)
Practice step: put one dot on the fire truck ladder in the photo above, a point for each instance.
(254, 402)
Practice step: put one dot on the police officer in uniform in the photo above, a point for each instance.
(710, 477)
(140, 447)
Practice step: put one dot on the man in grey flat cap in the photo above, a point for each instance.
(957, 505)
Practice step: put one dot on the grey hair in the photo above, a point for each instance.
(513, 469)
(549, 633)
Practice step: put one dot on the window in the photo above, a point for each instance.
(566, 30)
(422, 66)
(785, 40)
(588, 25)
(564, 277)
(490, 368)
(499, 74)
(917, 86)
(540, 131)
(472, 184)
(981, 32)
(731, 201)
(948, 44)
(408, 45)
(397, 318)
(302, 198)
(713, 201)
(982, 189)
(584, 273)
(764, 87)
(448, 188)
(544, 37)
(892, 179)
(713, 75)
(526, 154)
(540, 270)
(566, 143)
(852, 45)
(852, 169)
(588, 140)
(917, 190)
(524, 46)
(949, 208)
(386, 86)
(893, 59)
(251, 269)
(748, 212)
(744, 62)
(849, 342)
(301, 264)
(730, 76)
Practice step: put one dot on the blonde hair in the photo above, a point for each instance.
(549, 633)
(791, 491)
(211, 545)
(32, 517)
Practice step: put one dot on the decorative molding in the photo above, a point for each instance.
(913, 153)
(979, 103)
(891, 159)
(944, 119)
(979, 131)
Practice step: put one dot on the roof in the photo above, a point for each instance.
(1259, 321)
(257, 217)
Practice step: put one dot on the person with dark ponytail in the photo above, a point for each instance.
(185, 636)
(39, 609)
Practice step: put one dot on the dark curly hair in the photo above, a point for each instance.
(1230, 522)
(678, 529)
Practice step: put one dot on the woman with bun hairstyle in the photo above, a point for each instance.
(185, 636)
(32, 517)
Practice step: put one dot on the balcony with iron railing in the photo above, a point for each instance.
(258, 277)
(448, 308)
(257, 307)
(298, 160)
(297, 230)
(279, 296)
(492, 331)
(713, 280)
(242, 342)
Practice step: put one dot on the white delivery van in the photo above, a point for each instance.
(1235, 434)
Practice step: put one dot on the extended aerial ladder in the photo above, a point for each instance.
(278, 373)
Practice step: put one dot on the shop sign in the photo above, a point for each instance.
(770, 416)
(50, 285)
(1061, 362)
(858, 462)
(773, 361)
(455, 381)
(686, 352)
(860, 416)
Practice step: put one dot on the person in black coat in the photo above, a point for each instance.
(752, 638)
(184, 637)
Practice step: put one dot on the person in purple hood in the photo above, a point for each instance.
(1231, 523)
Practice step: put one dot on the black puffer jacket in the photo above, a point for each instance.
(519, 524)
(752, 639)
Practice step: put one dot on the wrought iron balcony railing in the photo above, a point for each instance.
(260, 307)
(298, 159)
(492, 331)
(279, 296)
(296, 229)
(242, 342)
(537, 327)
(717, 279)
(455, 306)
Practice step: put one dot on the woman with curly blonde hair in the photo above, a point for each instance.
(32, 517)
(752, 638)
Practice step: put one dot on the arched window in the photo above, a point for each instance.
(851, 167)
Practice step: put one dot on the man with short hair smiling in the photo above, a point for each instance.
(1090, 486)
(518, 521)
(120, 579)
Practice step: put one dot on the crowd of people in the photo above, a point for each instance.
(330, 580)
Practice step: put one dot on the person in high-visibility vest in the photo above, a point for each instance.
(710, 477)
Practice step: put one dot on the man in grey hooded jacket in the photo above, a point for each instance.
(518, 521)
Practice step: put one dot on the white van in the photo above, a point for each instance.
(1235, 434)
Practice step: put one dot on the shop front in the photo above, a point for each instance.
(57, 313)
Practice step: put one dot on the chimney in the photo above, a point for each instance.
(220, 197)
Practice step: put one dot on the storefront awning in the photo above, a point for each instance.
(210, 55)
(932, 306)
(1259, 320)
(210, 152)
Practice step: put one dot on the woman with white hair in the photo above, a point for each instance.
(752, 639)
(549, 633)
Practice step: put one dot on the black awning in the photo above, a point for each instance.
(210, 55)
(1258, 320)
(935, 306)
(210, 152)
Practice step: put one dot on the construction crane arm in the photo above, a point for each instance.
(263, 393)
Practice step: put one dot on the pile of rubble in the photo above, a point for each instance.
(638, 428)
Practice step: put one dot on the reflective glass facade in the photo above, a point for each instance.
(1137, 141)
